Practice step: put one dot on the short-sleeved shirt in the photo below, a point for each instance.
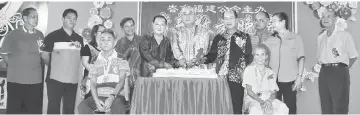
(23, 49)
(273, 43)
(91, 51)
(291, 49)
(65, 55)
(107, 73)
(337, 48)
(259, 84)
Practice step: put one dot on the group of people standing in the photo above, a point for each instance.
(263, 70)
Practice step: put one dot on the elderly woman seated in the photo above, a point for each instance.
(259, 82)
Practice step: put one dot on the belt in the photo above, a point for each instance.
(334, 65)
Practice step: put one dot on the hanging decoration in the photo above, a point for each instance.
(108, 24)
(105, 13)
(344, 9)
(101, 13)
(94, 20)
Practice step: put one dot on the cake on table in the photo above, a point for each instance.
(186, 73)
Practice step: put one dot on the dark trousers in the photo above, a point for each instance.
(334, 86)
(88, 106)
(237, 96)
(287, 95)
(56, 91)
(30, 96)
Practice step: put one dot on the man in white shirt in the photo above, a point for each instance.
(336, 53)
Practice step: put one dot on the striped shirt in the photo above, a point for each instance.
(65, 55)
(107, 73)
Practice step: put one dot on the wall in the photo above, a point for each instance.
(309, 28)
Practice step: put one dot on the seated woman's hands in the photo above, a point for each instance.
(267, 107)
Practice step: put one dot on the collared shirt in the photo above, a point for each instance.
(260, 84)
(337, 48)
(291, 49)
(155, 54)
(107, 72)
(187, 43)
(24, 62)
(123, 44)
(130, 50)
(231, 53)
(65, 55)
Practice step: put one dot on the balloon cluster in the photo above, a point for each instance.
(344, 9)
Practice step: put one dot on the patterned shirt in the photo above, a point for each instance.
(231, 53)
(107, 73)
(188, 43)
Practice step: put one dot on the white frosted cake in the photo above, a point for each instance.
(186, 73)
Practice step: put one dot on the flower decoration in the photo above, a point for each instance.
(94, 20)
(352, 4)
(320, 11)
(317, 68)
(344, 9)
(309, 2)
(334, 6)
(99, 4)
(315, 5)
(168, 19)
(352, 18)
(109, 2)
(341, 24)
(324, 3)
(108, 24)
(105, 13)
(343, 3)
(345, 13)
(94, 11)
(86, 33)
(167, 16)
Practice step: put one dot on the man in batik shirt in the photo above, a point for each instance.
(189, 39)
(231, 51)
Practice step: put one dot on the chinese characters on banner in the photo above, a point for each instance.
(209, 14)
(213, 8)
(246, 23)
